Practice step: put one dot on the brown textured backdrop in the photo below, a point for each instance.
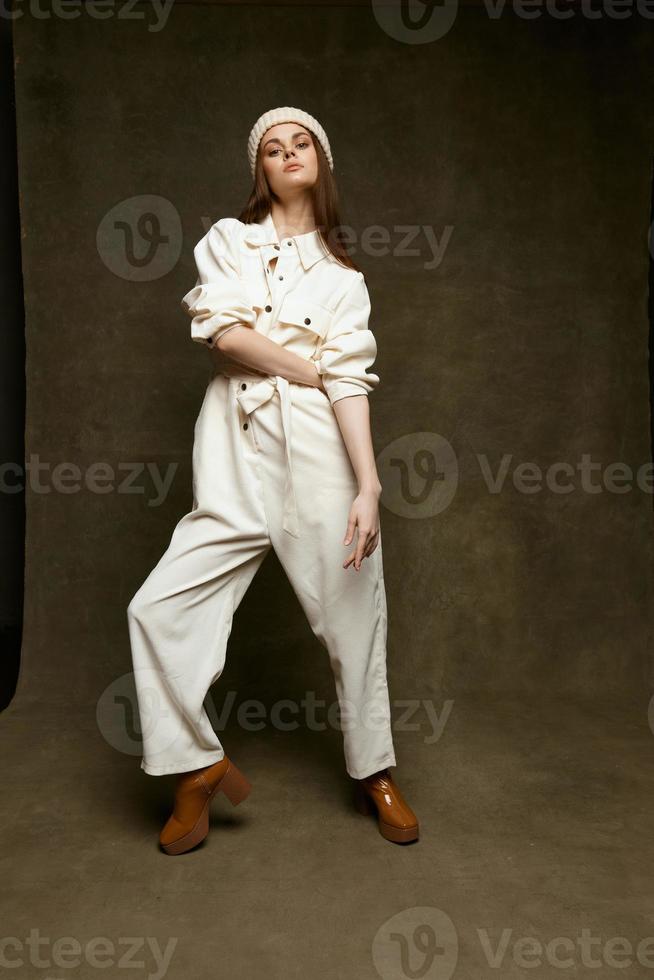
(532, 139)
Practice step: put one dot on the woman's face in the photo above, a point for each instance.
(289, 158)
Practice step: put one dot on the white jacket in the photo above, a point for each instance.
(308, 302)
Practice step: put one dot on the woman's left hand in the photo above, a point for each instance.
(364, 515)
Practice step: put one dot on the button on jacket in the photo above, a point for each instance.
(308, 302)
(270, 470)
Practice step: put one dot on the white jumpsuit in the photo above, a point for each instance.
(270, 469)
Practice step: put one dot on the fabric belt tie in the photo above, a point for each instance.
(250, 399)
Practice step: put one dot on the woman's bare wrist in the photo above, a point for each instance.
(371, 487)
(311, 376)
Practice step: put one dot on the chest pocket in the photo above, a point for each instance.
(305, 316)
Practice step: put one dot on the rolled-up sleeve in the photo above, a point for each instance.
(349, 347)
(219, 300)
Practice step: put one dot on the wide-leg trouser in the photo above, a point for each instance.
(180, 619)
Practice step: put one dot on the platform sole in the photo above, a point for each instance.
(235, 787)
(398, 835)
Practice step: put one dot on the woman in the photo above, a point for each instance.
(283, 459)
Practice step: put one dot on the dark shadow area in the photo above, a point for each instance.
(650, 310)
(12, 388)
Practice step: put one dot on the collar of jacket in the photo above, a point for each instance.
(263, 235)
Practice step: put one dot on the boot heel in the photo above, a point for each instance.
(362, 801)
(234, 785)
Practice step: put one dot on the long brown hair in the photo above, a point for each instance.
(324, 196)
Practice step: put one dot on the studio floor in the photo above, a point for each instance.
(535, 858)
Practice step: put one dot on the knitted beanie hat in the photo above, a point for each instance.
(285, 114)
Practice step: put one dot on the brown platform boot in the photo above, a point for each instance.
(379, 793)
(189, 821)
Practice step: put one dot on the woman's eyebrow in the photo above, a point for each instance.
(274, 139)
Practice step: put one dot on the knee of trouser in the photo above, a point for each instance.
(138, 607)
